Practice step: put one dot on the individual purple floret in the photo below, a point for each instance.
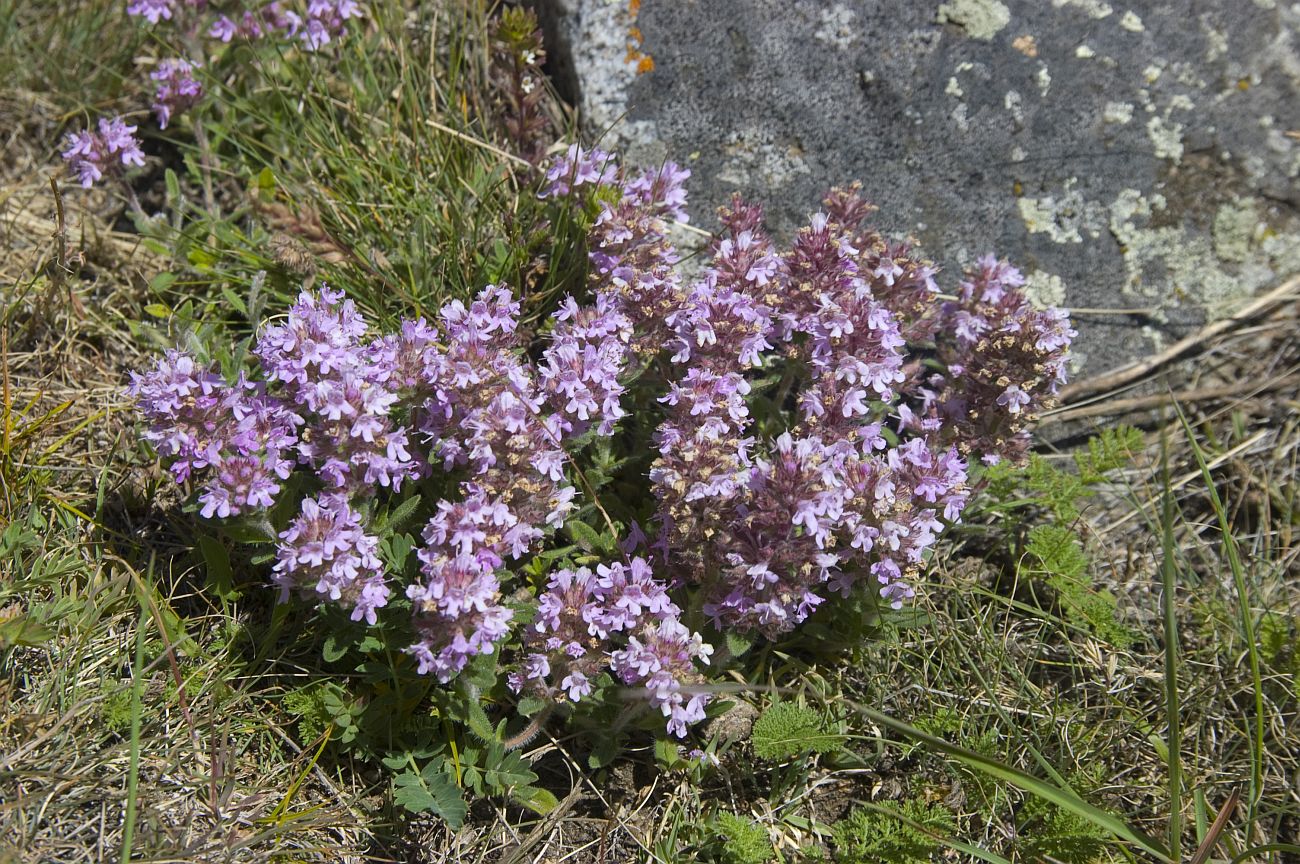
(326, 20)
(579, 167)
(326, 553)
(178, 89)
(152, 10)
(112, 149)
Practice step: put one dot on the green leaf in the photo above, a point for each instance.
(398, 516)
(667, 753)
(506, 769)
(234, 300)
(430, 791)
(161, 282)
(589, 539)
(334, 648)
(1057, 550)
(173, 189)
(22, 630)
(786, 730)
(217, 559)
(477, 721)
(264, 184)
(201, 259)
(540, 801)
(250, 529)
(158, 310)
(739, 643)
(605, 751)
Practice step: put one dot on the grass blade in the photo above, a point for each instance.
(1168, 572)
(133, 773)
(1247, 622)
(1109, 822)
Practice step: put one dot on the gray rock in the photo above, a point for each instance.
(1130, 155)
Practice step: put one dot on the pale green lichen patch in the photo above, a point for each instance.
(1064, 217)
(1172, 266)
(1044, 289)
(1166, 137)
(1093, 8)
(1131, 22)
(1237, 229)
(981, 19)
(1117, 113)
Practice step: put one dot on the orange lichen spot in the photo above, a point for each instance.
(1026, 45)
(633, 7)
(644, 62)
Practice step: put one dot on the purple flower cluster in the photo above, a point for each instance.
(114, 148)
(1005, 360)
(767, 527)
(485, 413)
(317, 24)
(322, 22)
(571, 640)
(579, 167)
(178, 89)
(333, 379)
(237, 435)
(854, 468)
(326, 552)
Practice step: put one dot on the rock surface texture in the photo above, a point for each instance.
(1139, 156)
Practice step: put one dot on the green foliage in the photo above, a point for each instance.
(1279, 642)
(430, 790)
(1053, 551)
(1051, 832)
(743, 842)
(115, 706)
(890, 833)
(1057, 551)
(1112, 449)
(786, 730)
(1059, 492)
(1059, 558)
(309, 705)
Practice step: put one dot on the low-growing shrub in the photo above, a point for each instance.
(668, 458)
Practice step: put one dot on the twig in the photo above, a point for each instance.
(1135, 371)
(205, 163)
(478, 142)
(1138, 403)
(1192, 475)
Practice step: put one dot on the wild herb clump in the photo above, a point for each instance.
(199, 29)
(786, 430)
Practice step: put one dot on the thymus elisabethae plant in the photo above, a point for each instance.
(199, 27)
(794, 428)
